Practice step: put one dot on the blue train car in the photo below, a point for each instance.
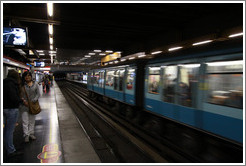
(203, 91)
(117, 83)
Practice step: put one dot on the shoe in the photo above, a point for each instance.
(26, 138)
(15, 153)
(32, 137)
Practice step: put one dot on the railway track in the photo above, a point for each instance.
(116, 139)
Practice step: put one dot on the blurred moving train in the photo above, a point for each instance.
(199, 87)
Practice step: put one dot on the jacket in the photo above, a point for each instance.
(33, 95)
(11, 97)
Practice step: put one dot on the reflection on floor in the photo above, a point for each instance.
(47, 147)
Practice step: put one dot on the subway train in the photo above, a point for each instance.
(198, 87)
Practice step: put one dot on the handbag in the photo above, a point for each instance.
(34, 107)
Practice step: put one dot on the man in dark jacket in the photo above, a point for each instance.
(11, 102)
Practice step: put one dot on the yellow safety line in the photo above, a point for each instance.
(50, 139)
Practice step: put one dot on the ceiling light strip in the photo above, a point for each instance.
(236, 35)
(174, 48)
(156, 52)
(50, 9)
(51, 29)
(202, 42)
(140, 56)
(51, 40)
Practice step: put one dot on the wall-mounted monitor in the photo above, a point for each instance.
(39, 64)
(15, 36)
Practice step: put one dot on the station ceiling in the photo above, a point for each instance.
(80, 28)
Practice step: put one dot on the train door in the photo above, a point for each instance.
(96, 81)
(109, 83)
(121, 73)
(90, 80)
(224, 98)
(170, 76)
(130, 85)
(152, 89)
(188, 84)
(101, 81)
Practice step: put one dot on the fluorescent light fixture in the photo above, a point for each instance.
(41, 54)
(21, 51)
(106, 63)
(156, 52)
(108, 51)
(190, 65)
(154, 68)
(92, 53)
(45, 68)
(202, 42)
(51, 29)
(87, 56)
(52, 54)
(97, 51)
(122, 60)
(50, 9)
(174, 48)
(236, 35)
(51, 47)
(102, 54)
(110, 62)
(140, 56)
(131, 58)
(118, 52)
(31, 52)
(116, 61)
(240, 62)
(52, 51)
(39, 50)
(51, 40)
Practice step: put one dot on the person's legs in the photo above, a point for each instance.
(31, 124)
(11, 116)
(25, 123)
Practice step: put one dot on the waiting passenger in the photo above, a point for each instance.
(45, 83)
(11, 102)
(28, 120)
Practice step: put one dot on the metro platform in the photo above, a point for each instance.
(60, 136)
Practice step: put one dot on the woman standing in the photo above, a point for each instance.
(30, 88)
(11, 102)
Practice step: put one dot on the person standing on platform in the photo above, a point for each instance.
(11, 102)
(30, 88)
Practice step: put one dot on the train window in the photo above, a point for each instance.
(225, 83)
(154, 80)
(170, 80)
(188, 81)
(96, 78)
(130, 78)
(92, 78)
(101, 79)
(110, 78)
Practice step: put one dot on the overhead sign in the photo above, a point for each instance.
(111, 57)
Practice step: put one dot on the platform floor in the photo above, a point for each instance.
(60, 136)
